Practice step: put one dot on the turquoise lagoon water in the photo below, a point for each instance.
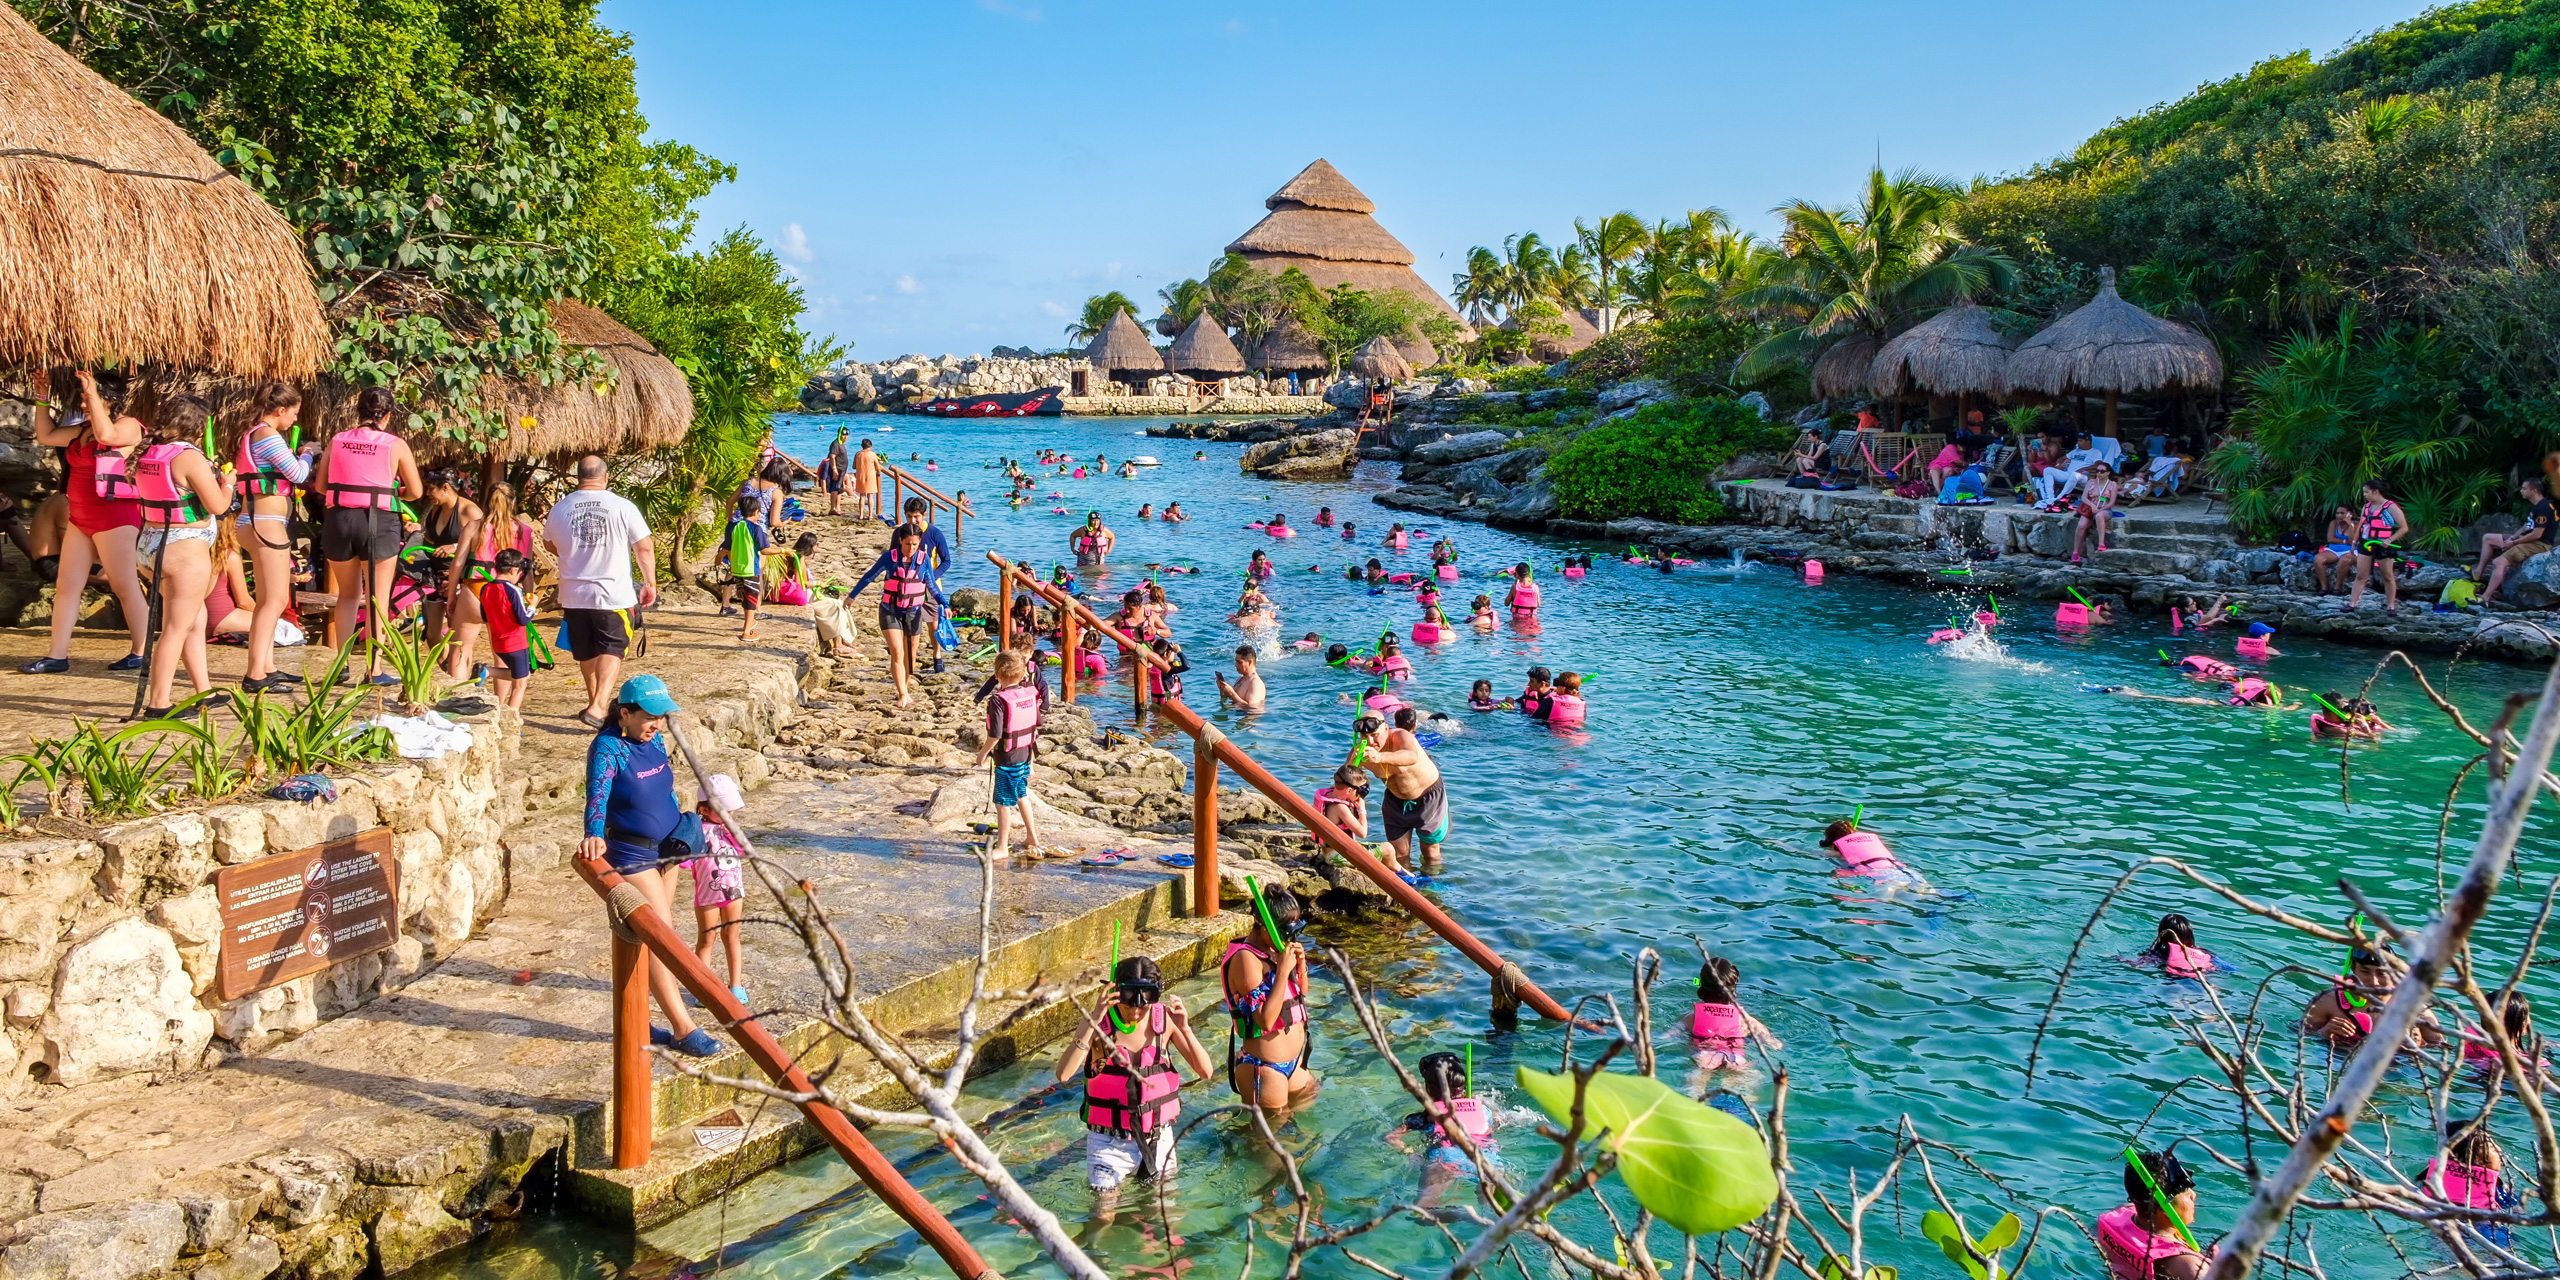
(1733, 711)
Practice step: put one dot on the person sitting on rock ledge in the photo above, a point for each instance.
(2512, 550)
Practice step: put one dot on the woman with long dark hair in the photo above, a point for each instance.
(488, 532)
(266, 468)
(104, 519)
(365, 474)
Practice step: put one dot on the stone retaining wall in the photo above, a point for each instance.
(110, 944)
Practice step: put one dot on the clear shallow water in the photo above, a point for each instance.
(1732, 714)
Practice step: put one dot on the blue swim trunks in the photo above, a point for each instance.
(1013, 781)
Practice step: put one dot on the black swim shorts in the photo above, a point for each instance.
(1426, 815)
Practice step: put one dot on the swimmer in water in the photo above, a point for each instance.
(1146, 511)
(1201, 456)
(1345, 804)
(2173, 947)
(1173, 513)
(1377, 576)
(1395, 536)
(2203, 668)
(1390, 663)
(1720, 1033)
(1432, 617)
(1265, 996)
(2343, 1015)
(1523, 596)
(1443, 552)
(1862, 853)
(2202, 618)
(1324, 517)
(1534, 696)
(1253, 610)
(1336, 656)
(1480, 698)
(1444, 1162)
(1482, 618)
(1258, 568)
(1564, 708)
(2248, 691)
(1246, 689)
(1308, 641)
(1278, 524)
(1349, 531)
(1166, 685)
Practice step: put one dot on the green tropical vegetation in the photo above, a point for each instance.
(454, 167)
(1656, 461)
(2366, 238)
(1096, 315)
(1252, 302)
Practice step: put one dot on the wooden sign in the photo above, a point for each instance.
(299, 913)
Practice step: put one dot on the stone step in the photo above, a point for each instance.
(682, 1172)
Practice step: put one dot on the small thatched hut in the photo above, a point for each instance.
(648, 405)
(1581, 329)
(1953, 353)
(1123, 353)
(1419, 352)
(1288, 348)
(1378, 360)
(1320, 224)
(1846, 369)
(2113, 346)
(121, 240)
(1204, 353)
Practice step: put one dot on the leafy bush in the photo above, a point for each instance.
(1521, 377)
(1655, 462)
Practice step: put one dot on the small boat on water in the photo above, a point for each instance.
(1143, 460)
(1042, 403)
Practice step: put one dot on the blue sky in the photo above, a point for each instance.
(950, 175)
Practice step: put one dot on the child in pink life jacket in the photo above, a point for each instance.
(1444, 1082)
(1720, 1033)
(2470, 1173)
(2174, 949)
(1863, 853)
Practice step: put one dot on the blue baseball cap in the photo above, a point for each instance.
(648, 693)
(2261, 629)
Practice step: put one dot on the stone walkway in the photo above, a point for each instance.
(395, 1132)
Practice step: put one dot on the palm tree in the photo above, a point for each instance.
(1874, 270)
(1097, 314)
(1611, 241)
(1478, 290)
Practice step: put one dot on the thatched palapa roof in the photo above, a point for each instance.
(2113, 345)
(121, 240)
(1204, 352)
(1951, 353)
(1122, 351)
(1419, 352)
(1581, 329)
(1320, 224)
(1847, 368)
(1378, 358)
(649, 403)
(1288, 348)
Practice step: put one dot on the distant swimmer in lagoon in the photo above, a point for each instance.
(1349, 531)
(1482, 618)
(1396, 539)
(1444, 1162)
(1324, 517)
(1480, 698)
(1720, 1033)
(1246, 689)
(1173, 513)
(2138, 1240)
(1523, 598)
(1534, 694)
(2344, 1014)
(1564, 707)
(1091, 541)
(1863, 853)
(1146, 511)
(1308, 641)
(2173, 948)
(2248, 691)
(2360, 719)
(1259, 567)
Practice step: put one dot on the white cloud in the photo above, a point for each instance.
(795, 244)
(1054, 309)
(907, 284)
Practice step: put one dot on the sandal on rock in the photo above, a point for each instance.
(1176, 859)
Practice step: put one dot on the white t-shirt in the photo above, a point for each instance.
(595, 530)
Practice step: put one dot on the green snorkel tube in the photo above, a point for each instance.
(2158, 1197)
(1114, 1007)
(1855, 814)
(1253, 888)
(2075, 594)
(2347, 969)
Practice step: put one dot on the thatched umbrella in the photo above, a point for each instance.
(1288, 348)
(122, 240)
(647, 405)
(1122, 352)
(1379, 361)
(2114, 346)
(1845, 370)
(1419, 352)
(1203, 351)
(1953, 353)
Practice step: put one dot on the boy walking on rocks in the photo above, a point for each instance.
(1013, 727)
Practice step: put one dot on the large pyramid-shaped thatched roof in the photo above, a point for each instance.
(1320, 224)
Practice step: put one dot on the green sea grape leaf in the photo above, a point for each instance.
(1939, 1228)
(2001, 1235)
(1698, 1169)
(1832, 1270)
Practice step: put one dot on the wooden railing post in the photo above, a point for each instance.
(1004, 610)
(1137, 689)
(634, 1098)
(1204, 824)
(1067, 655)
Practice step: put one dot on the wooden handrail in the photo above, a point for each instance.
(634, 1096)
(901, 479)
(1509, 981)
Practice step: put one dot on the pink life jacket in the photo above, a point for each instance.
(1131, 1095)
(361, 470)
(905, 587)
(1429, 633)
(2248, 690)
(2130, 1251)
(1021, 716)
(2066, 614)
(1718, 1027)
(1396, 668)
(2324, 727)
(1564, 709)
(112, 481)
(1396, 540)
(1862, 850)
(2470, 1185)
(252, 480)
(2186, 962)
(2196, 664)
(1293, 1008)
(1524, 596)
(1573, 571)
(1445, 572)
(1469, 1113)
(1090, 663)
(2251, 647)
(155, 484)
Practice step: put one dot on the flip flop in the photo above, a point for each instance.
(1106, 858)
(1175, 859)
